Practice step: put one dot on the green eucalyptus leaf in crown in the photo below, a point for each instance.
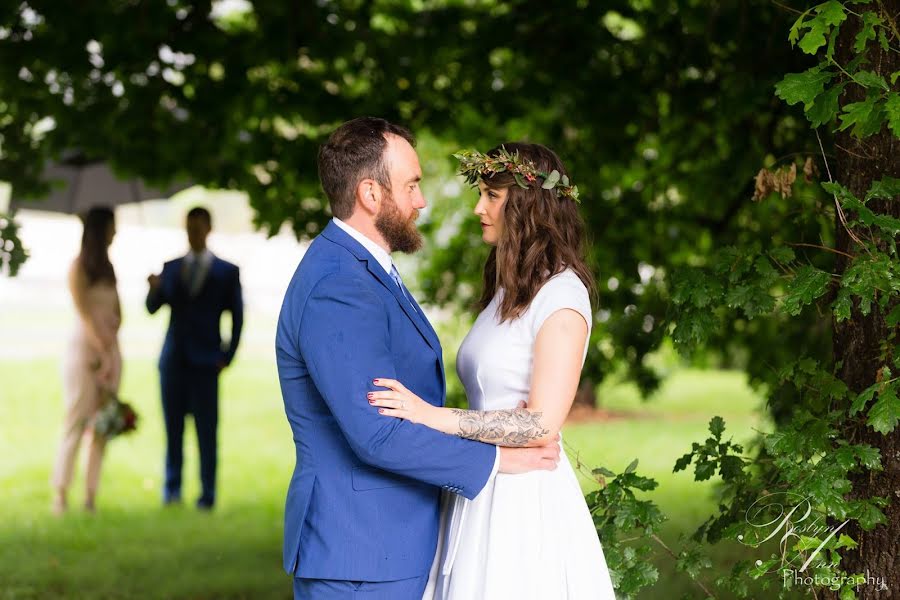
(474, 166)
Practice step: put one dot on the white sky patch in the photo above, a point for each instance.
(222, 8)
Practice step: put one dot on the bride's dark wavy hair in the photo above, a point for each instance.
(94, 256)
(543, 234)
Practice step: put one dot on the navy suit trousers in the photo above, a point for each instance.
(190, 390)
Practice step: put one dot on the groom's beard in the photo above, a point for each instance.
(399, 233)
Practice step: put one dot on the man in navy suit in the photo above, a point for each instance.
(198, 288)
(362, 511)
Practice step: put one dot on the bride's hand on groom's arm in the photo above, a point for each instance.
(542, 452)
(515, 428)
(397, 401)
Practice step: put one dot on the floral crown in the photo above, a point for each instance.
(474, 165)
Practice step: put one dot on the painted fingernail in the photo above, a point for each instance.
(371, 401)
(375, 381)
(381, 411)
(369, 395)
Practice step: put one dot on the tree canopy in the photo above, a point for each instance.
(663, 112)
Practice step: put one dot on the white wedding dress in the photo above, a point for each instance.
(527, 536)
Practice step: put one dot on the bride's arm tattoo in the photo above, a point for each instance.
(515, 427)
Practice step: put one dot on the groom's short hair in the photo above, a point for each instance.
(355, 151)
(198, 212)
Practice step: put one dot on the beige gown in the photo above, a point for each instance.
(82, 392)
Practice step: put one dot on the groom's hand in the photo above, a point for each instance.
(523, 460)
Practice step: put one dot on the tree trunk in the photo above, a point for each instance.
(585, 397)
(860, 341)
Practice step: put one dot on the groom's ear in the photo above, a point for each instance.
(368, 196)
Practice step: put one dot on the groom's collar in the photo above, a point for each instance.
(374, 250)
(204, 256)
(337, 234)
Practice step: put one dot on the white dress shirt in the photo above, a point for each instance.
(379, 253)
(384, 259)
(205, 258)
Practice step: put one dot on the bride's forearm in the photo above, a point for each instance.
(514, 427)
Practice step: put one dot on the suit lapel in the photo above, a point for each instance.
(339, 236)
(421, 314)
(414, 314)
(180, 288)
(209, 276)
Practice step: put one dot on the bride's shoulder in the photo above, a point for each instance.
(566, 282)
(564, 290)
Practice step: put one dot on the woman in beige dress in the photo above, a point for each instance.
(92, 365)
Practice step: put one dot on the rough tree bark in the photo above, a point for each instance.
(860, 341)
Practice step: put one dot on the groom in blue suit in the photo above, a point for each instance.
(198, 288)
(362, 511)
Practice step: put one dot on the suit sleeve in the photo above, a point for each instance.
(161, 295)
(344, 340)
(236, 307)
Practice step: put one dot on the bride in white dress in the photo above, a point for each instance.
(531, 535)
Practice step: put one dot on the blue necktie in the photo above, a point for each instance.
(395, 275)
(193, 276)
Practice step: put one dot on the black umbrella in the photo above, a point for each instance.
(78, 185)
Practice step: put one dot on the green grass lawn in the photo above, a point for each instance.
(132, 547)
(135, 548)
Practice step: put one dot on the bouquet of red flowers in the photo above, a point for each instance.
(115, 417)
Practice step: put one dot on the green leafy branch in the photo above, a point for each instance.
(628, 525)
(885, 412)
(821, 104)
(811, 465)
(714, 455)
(759, 283)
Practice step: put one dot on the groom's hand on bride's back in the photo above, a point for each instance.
(535, 458)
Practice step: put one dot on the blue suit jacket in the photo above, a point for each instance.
(193, 336)
(363, 503)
